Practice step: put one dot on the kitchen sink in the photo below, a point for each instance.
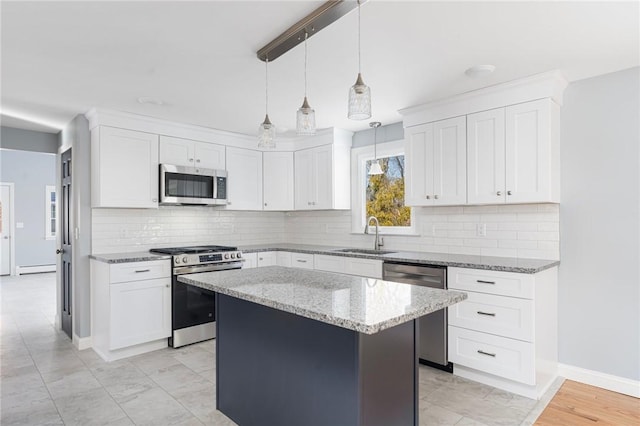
(364, 251)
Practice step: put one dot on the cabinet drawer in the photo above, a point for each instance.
(492, 282)
(135, 271)
(508, 358)
(302, 260)
(329, 263)
(363, 267)
(499, 315)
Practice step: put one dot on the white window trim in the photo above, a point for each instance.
(47, 212)
(359, 157)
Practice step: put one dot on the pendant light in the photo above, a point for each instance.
(306, 116)
(267, 130)
(359, 93)
(375, 168)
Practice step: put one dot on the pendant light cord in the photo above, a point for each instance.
(266, 86)
(305, 63)
(375, 143)
(359, 55)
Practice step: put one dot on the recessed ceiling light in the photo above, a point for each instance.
(478, 71)
(149, 100)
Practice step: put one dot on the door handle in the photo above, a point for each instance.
(59, 251)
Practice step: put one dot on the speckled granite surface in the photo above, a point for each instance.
(507, 264)
(361, 304)
(128, 257)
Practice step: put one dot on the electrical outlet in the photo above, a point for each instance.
(481, 229)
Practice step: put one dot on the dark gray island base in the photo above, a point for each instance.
(277, 368)
(304, 348)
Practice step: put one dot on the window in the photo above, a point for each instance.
(382, 195)
(50, 212)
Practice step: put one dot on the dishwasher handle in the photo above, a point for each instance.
(411, 278)
(415, 274)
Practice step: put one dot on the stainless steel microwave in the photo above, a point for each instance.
(192, 186)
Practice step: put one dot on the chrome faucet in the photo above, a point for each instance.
(376, 244)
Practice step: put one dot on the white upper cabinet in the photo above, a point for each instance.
(278, 180)
(185, 152)
(486, 157)
(124, 168)
(244, 179)
(513, 154)
(320, 177)
(436, 163)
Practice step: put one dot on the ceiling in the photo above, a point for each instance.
(60, 59)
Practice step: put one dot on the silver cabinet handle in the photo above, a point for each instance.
(435, 196)
(198, 160)
(229, 203)
(138, 271)
(480, 351)
(508, 192)
(191, 160)
(167, 286)
(308, 203)
(428, 197)
(265, 204)
(260, 258)
(301, 261)
(498, 193)
(489, 314)
(485, 282)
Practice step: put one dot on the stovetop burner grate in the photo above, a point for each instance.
(192, 249)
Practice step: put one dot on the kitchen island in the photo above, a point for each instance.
(301, 347)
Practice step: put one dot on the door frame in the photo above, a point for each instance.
(12, 225)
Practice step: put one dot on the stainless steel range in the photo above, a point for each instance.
(193, 309)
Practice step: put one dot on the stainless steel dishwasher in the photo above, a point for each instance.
(432, 327)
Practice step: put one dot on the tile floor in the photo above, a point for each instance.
(44, 380)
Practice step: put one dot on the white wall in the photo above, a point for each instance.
(599, 285)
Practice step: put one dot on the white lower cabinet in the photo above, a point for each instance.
(131, 307)
(505, 333)
(250, 260)
(283, 258)
(267, 258)
(349, 265)
(302, 260)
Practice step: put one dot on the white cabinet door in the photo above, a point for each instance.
(529, 164)
(140, 312)
(244, 180)
(124, 168)
(363, 267)
(322, 262)
(250, 260)
(278, 180)
(418, 160)
(486, 157)
(322, 162)
(267, 258)
(303, 179)
(450, 161)
(209, 155)
(176, 151)
(283, 258)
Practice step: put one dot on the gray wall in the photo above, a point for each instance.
(76, 135)
(599, 284)
(31, 172)
(28, 140)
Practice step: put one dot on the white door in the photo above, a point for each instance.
(244, 169)
(278, 180)
(5, 229)
(175, 151)
(210, 155)
(419, 165)
(528, 152)
(303, 179)
(322, 183)
(450, 161)
(486, 157)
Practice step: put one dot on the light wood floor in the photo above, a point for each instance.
(579, 404)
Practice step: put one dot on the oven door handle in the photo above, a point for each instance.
(208, 268)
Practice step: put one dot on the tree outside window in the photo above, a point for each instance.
(385, 193)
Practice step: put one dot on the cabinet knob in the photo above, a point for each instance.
(428, 197)
(508, 192)
(191, 160)
(167, 286)
(498, 193)
(308, 203)
(154, 200)
(435, 196)
(198, 160)
(229, 203)
(265, 204)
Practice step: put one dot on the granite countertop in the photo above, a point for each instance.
(492, 263)
(141, 256)
(366, 305)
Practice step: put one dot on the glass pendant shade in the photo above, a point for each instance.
(266, 134)
(306, 119)
(375, 168)
(359, 100)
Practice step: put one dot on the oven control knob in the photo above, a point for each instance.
(226, 256)
(233, 255)
(177, 260)
(184, 259)
(239, 255)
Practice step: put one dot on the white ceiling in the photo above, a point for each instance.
(63, 58)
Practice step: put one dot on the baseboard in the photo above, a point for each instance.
(601, 380)
(82, 343)
(36, 269)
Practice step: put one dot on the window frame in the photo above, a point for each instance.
(48, 235)
(359, 158)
